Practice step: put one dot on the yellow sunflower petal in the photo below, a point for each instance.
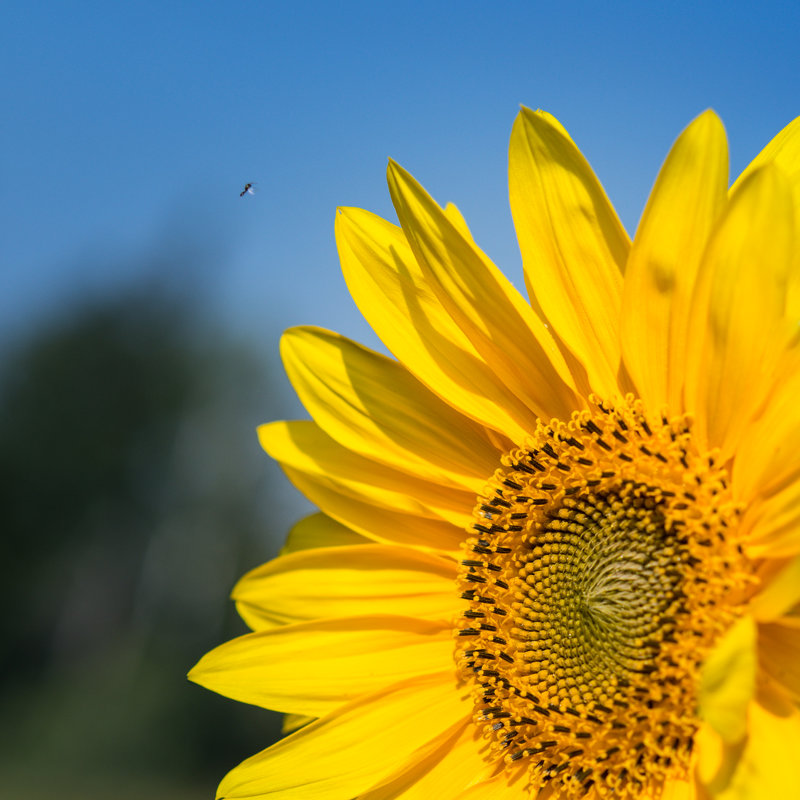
(501, 326)
(737, 310)
(293, 722)
(457, 219)
(355, 747)
(766, 461)
(768, 767)
(714, 761)
(573, 245)
(302, 447)
(779, 595)
(728, 681)
(344, 581)
(779, 655)
(772, 525)
(375, 407)
(503, 786)
(678, 790)
(766, 472)
(389, 289)
(317, 530)
(456, 763)
(314, 667)
(784, 152)
(687, 198)
(379, 524)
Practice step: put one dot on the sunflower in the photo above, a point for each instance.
(558, 553)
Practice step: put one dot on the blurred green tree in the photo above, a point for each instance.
(133, 495)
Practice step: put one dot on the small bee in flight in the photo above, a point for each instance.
(249, 188)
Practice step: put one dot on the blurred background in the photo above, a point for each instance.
(141, 299)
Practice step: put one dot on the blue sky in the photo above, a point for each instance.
(128, 130)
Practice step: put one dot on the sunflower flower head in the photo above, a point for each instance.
(558, 553)
(603, 566)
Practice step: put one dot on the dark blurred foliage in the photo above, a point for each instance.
(133, 495)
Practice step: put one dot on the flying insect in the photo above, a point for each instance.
(249, 188)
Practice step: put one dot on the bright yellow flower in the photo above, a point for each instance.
(559, 547)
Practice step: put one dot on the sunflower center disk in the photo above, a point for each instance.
(603, 568)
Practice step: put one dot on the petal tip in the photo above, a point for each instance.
(710, 121)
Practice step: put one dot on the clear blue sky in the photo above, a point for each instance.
(129, 129)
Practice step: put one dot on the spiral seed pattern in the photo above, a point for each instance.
(603, 567)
